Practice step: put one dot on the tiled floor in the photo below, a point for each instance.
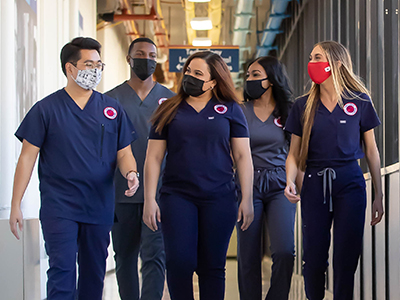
(296, 293)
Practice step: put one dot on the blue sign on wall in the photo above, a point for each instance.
(179, 54)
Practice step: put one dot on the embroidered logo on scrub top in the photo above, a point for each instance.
(220, 108)
(110, 112)
(277, 122)
(350, 109)
(161, 100)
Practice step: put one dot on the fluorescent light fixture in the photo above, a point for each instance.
(201, 23)
(198, 42)
(199, 0)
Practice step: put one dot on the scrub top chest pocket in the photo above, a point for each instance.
(108, 141)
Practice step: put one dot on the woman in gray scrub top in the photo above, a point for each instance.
(268, 99)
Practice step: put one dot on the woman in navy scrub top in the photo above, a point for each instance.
(268, 98)
(330, 125)
(198, 128)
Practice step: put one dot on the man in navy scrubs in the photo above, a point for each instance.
(139, 96)
(82, 136)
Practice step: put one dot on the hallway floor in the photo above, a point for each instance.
(231, 293)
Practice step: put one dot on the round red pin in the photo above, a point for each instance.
(220, 108)
(277, 122)
(161, 100)
(350, 109)
(110, 112)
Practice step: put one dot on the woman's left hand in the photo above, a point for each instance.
(377, 210)
(245, 213)
(133, 184)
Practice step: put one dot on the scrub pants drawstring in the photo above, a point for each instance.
(331, 174)
(262, 183)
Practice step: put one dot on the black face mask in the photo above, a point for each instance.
(143, 67)
(193, 86)
(254, 88)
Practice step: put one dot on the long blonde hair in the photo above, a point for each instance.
(345, 83)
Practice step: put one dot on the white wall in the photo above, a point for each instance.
(57, 24)
(7, 105)
(115, 45)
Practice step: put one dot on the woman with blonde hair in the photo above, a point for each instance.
(330, 127)
(198, 128)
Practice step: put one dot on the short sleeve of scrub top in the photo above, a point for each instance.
(126, 131)
(294, 122)
(369, 118)
(33, 127)
(163, 135)
(239, 128)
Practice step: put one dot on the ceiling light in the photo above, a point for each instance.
(199, 0)
(198, 42)
(201, 23)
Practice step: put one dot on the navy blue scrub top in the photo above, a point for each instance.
(139, 112)
(78, 154)
(198, 162)
(268, 144)
(336, 137)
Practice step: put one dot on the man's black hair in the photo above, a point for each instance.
(139, 40)
(71, 52)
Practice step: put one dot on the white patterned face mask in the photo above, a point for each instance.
(88, 79)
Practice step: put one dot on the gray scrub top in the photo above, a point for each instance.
(139, 112)
(269, 147)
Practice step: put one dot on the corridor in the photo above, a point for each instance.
(231, 292)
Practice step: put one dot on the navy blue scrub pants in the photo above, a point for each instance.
(269, 203)
(130, 237)
(64, 239)
(196, 237)
(348, 217)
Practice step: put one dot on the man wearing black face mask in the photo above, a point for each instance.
(139, 96)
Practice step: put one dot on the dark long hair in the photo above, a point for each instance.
(224, 91)
(281, 88)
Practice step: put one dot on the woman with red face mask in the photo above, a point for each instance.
(330, 127)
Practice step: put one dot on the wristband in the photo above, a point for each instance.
(130, 171)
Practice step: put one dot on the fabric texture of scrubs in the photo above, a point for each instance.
(333, 191)
(77, 161)
(130, 235)
(197, 202)
(269, 150)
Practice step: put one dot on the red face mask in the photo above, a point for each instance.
(319, 71)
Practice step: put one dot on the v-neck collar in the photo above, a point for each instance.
(74, 105)
(255, 115)
(203, 109)
(326, 109)
(139, 101)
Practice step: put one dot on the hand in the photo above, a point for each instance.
(133, 184)
(377, 210)
(16, 218)
(151, 214)
(291, 193)
(246, 212)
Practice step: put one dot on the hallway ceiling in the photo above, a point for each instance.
(234, 22)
